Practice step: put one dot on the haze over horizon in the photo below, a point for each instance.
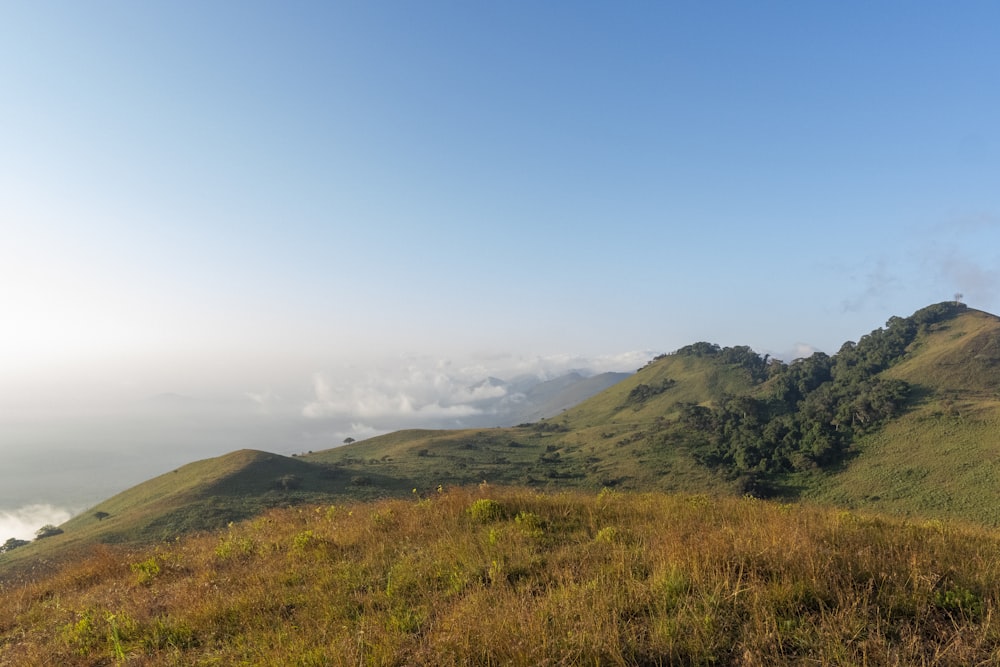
(292, 215)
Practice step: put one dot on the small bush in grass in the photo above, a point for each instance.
(608, 535)
(530, 524)
(81, 636)
(146, 570)
(486, 510)
(235, 547)
(961, 601)
(165, 633)
(303, 540)
(384, 519)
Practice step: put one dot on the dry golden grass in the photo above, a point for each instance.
(527, 579)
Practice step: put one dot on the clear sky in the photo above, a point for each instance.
(247, 198)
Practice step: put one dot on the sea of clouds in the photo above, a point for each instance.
(57, 462)
(428, 393)
(22, 522)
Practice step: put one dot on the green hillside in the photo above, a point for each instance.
(921, 392)
(942, 457)
(203, 495)
(903, 421)
(956, 359)
(606, 441)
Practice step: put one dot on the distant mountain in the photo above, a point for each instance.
(548, 399)
(904, 421)
(529, 398)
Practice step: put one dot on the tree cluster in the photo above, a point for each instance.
(11, 544)
(805, 414)
(756, 366)
(643, 392)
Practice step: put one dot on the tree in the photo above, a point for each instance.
(48, 530)
(11, 544)
(101, 516)
(349, 440)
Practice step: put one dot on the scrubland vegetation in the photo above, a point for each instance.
(492, 576)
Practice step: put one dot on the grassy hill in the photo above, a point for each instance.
(203, 495)
(604, 441)
(618, 532)
(956, 359)
(903, 422)
(942, 458)
(488, 576)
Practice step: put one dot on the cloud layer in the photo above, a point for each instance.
(426, 392)
(23, 522)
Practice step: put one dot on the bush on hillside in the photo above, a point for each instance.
(48, 530)
(11, 544)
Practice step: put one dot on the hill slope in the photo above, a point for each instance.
(921, 393)
(203, 495)
(488, 576)
(941, 458)
(905, 421)
(548, 399)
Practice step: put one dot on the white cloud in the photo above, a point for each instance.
(801, 351)
(325, 401)
(359, 431)
(547, 367)
(413, 394)
(23, 522)
(975, 279)
(425, 390)
(264, 401)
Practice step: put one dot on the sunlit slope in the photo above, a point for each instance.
(617, 457)
(494, 576)
(938, 457)
(958, 358)
(672, 379)
(925, 464)
(211, 492)
(203, 495)
(942, 457)
(607, 440)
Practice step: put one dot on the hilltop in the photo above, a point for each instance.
(901, 421)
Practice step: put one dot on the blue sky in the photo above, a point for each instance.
(238, 198)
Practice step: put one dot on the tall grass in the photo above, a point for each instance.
(492, 576)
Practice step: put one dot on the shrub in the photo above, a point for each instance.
(960, 601)
(11, 544)
(530, 524)
(146, 570)
(48, 530)
(486, 510)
